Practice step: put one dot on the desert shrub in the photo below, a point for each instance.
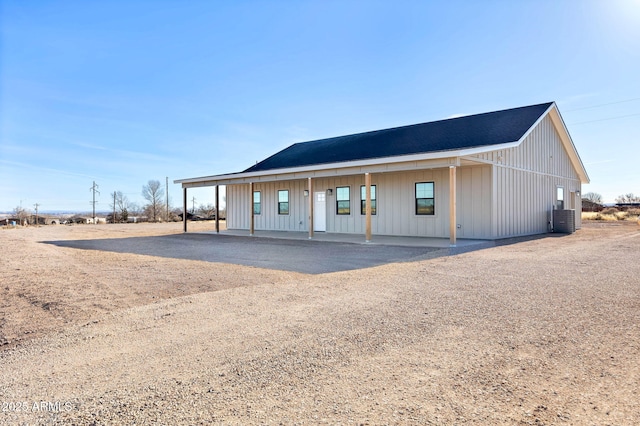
(605, 217)
(593, 216)
(621, 215)
(602, 217)
(612, 217)
(633, 212)
(610, 210)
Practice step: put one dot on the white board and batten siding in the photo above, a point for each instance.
(395, 198)
(239, 206)
(473, 199)
(525, 182)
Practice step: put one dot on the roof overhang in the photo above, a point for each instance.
(428, 160)
(398, 163)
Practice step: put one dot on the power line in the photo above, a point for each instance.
(605, 119)
(601, 105)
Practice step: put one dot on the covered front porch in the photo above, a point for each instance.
(382, 200)
(462, 245)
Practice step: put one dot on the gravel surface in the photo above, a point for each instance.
(310, 257)
(545, 331)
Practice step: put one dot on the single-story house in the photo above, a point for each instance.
(83, 220)
(11, 220)
(590, 206)
(486, 176)
(193, 216)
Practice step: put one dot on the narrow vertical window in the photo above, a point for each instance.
(363, 199)
(257, 205)
(343, 200)
(283, 202)
(425, 201)
(560, 198)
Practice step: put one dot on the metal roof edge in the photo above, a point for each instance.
(565, 137)
(348, 164)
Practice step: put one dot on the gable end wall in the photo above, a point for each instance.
(525, 181)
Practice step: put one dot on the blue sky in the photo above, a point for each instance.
(121, 92)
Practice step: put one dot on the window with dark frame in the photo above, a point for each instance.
(363, 199)
(257, 205)
(283, 201)
(425, 198)
(560, 198)
(343, 200)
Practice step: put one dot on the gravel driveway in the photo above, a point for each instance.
(542, 332)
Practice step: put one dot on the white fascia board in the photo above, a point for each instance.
(569, 146)
(488, 148)
(274, 173)
(208, 178)
(534, 125)
(565, 137)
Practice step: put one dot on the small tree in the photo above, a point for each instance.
(133, 210)
(122, 205)
(175, 214)
(207, 211)
(154, 194)
(119, 206)
(593, 197)
(628, 198)
(22, 215)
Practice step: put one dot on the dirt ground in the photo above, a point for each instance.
(545, 331)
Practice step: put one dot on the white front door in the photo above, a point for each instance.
(320, 211)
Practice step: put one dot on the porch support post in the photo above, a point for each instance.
(251, 221)
(217, 209)
(367, 184)
(452, 206)
(184, 209)
(310, 187)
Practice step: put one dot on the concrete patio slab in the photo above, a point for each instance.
(309, 257)
(462, 245)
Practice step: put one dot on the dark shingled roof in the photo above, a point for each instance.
(472, 131)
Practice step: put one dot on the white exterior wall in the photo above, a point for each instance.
(525, 180)
(395, 193)
(239, 206)
(473, 198)
(395, 204)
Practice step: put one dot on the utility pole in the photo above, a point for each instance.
(114, 207)
(166, 194)
(94, 188)
(36, 206)
(193, 209)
